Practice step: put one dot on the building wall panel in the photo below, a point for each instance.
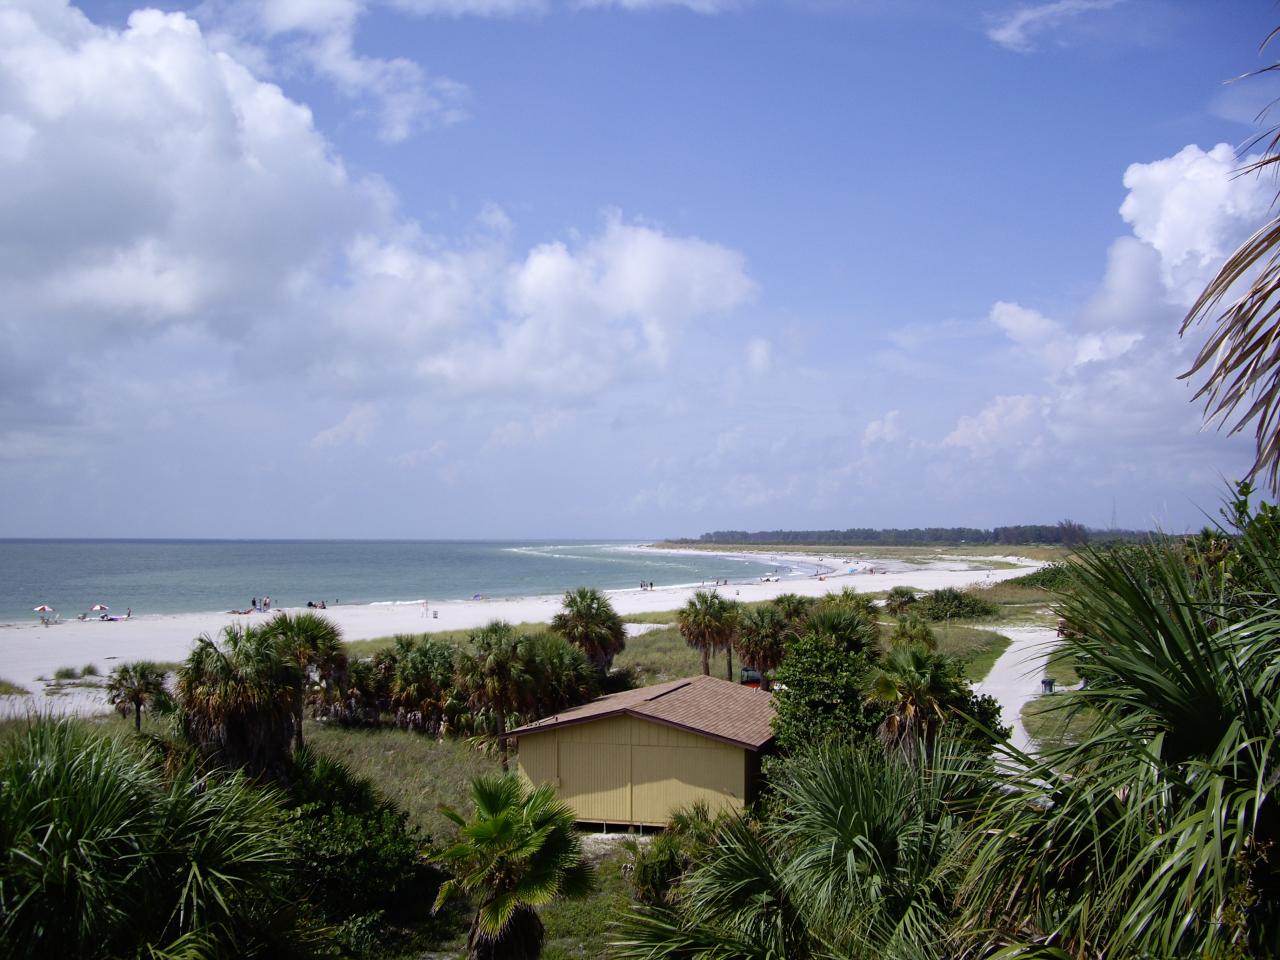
(664, 779)
(537, 759)
(628, 770)
(594, 779)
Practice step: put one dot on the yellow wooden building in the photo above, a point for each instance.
(633, 757)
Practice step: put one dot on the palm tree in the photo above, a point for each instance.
(793, 607)
(763, 633)
(1242, 355)
(1146, 837)
(708, 622)
(104, 856)
(898, 600)
(913, 630)
(422, 678)
(855, 865)
(589, 622)
(918, 687)
(495, 676)
(852, 631)
(138, 685)
(239, 699)
(562, 676)
(302, 636)
(519, 851)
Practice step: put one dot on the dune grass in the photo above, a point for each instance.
(977, 647)
(367, 648)
(1051, 723)
(574, 927)
(417, 772)
(10, 689)
(661, 655)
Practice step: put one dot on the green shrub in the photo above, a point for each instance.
(952, 604)
(1052, 576)
(819, 691)
(66, 673)
(89, 670)
(362, 864)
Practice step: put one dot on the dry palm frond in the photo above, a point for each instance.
(1242, 354)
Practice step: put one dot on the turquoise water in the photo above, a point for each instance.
(180, 576)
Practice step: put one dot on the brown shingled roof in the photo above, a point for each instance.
(705, 705)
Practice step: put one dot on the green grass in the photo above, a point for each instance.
(66, 673)
(661, 655)
(1020, 605)
(1051, 724)
(655, 616)
(89, 670)
(577, 928)
(10, 689)
(978, 648)
(416, 771)
(1062, 668)
(367, 648)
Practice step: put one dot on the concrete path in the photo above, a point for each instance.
(1014, 679)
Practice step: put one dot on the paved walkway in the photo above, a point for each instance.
(1015, 677)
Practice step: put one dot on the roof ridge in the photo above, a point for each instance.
(676, 685)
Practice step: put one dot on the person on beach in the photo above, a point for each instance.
(253, 604)
(128, 613)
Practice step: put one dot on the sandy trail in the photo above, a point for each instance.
(1014, 679)
(30, 651)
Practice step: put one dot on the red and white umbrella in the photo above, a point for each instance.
(99, 607)
(43, 608)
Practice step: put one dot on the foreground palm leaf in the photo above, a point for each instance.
(101, 856)
(1154, 835)
(856, 868)
(1242, 354)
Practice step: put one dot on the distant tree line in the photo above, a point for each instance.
(1066, 532)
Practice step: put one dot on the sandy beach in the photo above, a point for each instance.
(31, 651)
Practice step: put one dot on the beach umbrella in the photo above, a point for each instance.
(99, 607)
(43, 608)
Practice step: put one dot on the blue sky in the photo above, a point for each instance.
(503, 268)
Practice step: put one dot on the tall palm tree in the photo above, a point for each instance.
(494, 674)
(562, 676)
(519, 851)
(138, 685)
(794, 607)
(589, 621)
(422, 678)
(763, 633)
(302, 636)
(239, 699)
(708, 623)
(1241, 358)
(918, 687)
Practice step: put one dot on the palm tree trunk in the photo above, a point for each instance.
(728, 653)
(706, 661)
(502, 737)
(137, 717)
(297, 715)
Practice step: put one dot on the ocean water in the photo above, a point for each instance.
(181, 576)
